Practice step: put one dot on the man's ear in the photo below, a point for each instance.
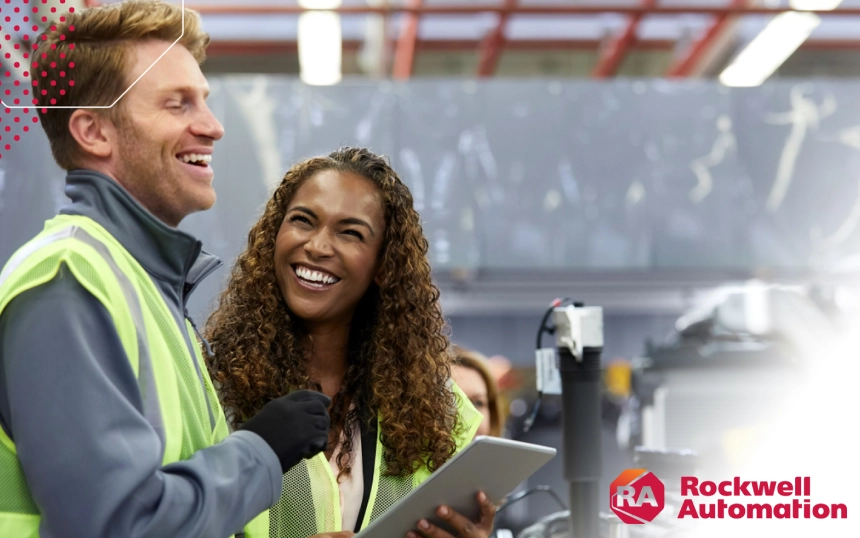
(93, 132)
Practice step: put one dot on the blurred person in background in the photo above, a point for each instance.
(333, 293)
(110, 425)
(471, 371)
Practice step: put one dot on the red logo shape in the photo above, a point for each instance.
(637, 496)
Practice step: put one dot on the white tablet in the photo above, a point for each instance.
(489, 464)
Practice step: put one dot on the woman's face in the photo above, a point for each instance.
(327, 249)
(472, 384)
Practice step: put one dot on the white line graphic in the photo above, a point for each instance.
(123, 93)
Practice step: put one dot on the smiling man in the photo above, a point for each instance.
(109, 423)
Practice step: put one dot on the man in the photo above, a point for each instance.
(109, 423)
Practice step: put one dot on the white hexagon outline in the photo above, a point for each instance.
(127, 89)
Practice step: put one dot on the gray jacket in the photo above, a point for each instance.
(72, 405)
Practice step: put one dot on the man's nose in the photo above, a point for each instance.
(208, 125)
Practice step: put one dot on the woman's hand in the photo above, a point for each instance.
(341, 534)
(465, 528)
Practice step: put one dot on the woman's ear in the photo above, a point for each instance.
(377, 279)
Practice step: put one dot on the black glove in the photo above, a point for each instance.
(295, 425)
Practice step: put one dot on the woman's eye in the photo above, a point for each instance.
(480, 404)
(355, 233)
(300, 218)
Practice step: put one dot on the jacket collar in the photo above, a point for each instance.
(165, 253)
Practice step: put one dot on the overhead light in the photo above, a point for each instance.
(775, 44)
(320, 43)
(770, 49)
(814, 5)
(320, 4)
(371, 58)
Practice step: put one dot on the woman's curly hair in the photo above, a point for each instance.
(398, 353)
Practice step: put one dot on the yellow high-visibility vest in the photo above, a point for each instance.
(148, 332)
(310, 502)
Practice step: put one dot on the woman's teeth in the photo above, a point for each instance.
(195, 158)
(315, 277)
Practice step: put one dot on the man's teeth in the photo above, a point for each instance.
(315, 276)
(194, 157)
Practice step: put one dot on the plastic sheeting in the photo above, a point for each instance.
(541, 175)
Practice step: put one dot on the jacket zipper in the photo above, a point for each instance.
(199, 367)
(205, 342)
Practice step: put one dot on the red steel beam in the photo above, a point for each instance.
(831, 44)
(404, 52)
(491, 47)
(459, 9)
(242, 47)
(264, 47)
(539, 44)
(613, 54)
(543, 44)
(684, 66)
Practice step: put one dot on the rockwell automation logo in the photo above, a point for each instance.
(771, 496)
(638, 496)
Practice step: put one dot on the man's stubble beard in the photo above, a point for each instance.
(142, 172)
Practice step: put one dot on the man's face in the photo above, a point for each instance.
(163, 144)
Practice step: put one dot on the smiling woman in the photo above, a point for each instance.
(333, 293)
(327, 252)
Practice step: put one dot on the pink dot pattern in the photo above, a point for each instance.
(20, 24)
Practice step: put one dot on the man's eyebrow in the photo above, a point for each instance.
(184, 89)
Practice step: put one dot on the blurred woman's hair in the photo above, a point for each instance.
(479, 363)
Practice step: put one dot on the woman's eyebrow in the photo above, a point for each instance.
(358, 222)
(349, 220)
(303, 209)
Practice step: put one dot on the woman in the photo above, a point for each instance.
(334, 294)
(473, 376)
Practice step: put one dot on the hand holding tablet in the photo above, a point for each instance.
(465, 527)
(490, 466)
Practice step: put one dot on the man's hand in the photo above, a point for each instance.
(464, 526)
(295, 426)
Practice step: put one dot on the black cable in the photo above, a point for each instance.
(530, 420)
(543, 326)
(523, 494)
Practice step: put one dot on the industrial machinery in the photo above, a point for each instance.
(573, 369)
(698, 399)
(727, 368)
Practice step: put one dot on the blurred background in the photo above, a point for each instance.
(691, 166)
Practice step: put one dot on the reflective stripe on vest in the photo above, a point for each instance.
(310, 502)
(166, 376)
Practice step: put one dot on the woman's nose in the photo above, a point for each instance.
(319, 246)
